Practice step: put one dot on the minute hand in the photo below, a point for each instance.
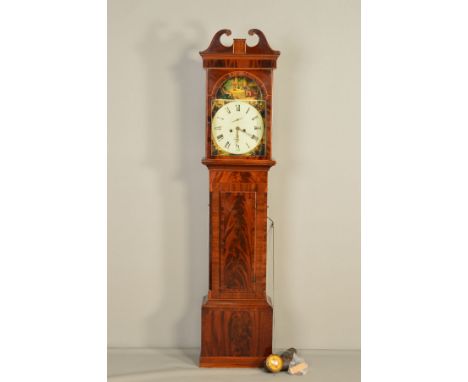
(253, 136)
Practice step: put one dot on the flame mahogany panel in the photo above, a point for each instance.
(237, 240)
(235, 334)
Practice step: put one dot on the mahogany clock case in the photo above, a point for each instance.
(236, 314)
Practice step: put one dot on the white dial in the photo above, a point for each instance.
(237, 128)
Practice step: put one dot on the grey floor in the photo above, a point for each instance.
(135, 365)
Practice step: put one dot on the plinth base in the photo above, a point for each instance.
(232, 361)
(235, 332)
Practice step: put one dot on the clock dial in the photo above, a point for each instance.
(237, 128)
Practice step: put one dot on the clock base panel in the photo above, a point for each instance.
(236, 333)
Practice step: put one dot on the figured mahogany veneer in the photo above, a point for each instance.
(236, 332)
(237, 315)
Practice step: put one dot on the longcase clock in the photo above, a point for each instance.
(237, 314)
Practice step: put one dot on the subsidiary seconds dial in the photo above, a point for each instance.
(237, 128)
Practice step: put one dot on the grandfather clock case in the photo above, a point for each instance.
(237, 315)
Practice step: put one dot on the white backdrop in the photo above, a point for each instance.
(158, 189)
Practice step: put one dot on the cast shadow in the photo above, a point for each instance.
(175, 157)
(285, 122)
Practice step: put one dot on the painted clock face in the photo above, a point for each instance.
(237, 128)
